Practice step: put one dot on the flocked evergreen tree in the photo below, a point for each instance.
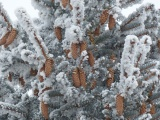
(82, 60)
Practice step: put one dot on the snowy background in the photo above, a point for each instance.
(12, 5)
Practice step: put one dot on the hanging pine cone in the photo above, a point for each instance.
(104, 17)
(113, 58)
(75, 78)
(91, 59)
(97, 31)
(109, 82)
(153, 109)
(111, 23)
(158, 43)
(83, 46)
(74, 50)
(110, 79)
(70, 6)
(93, 84)
(91, 38)
(44, 110)
(142, 108)
(4, 38)
(48, 66)
(82, 77)
(119, 104)
(10, 77)
(58, 33)
(21, 81)
(33, 72)
(11, 37)
(41, 79)
(36, 91)
(67, 52)
(108, 118)
(65, 3)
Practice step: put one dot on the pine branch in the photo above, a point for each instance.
(5, 17)
(27, 25)
(12, 110)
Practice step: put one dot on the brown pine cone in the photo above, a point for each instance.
(142, 108)
(10, 77)
(91, 59)
(44, 110)
(153, 109)
(4, 38)
(41, 79)
(113, 58)
(82, 77)
(97, 31)
(48, 66)
(33, 72)
(58, 33)
(67, 52)
(11, 37)
(21, 81)
(64, 3)
(70, 6)
(36, 91)
(83, 46)
(74, 50)
(45, 89)
(104, 17)
(93, 84)
(109, 82)
(119, 104)
(111, 23)
(75, 78)
(158, 43)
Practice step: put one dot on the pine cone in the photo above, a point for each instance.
(36, 91)
(158, 44)
(70, 6)
(142, 108)
(21, 81)
(91, 38)
(97, 31)
(33, 72)
(58, 33)
(110, 79)
(83, 46)
(113, 58)
(75, 78)
(67, 52)
(91, 59)
(82, 77)
(153, 109)
(104, 17)
(119, 104)
(111, 23)
(93, 84)
(48, 66)
(109, 82)
(11, 37)
(41, 79)
(10, 77)
(74, 50)
(64, 3)
(4, 38)
(44, 110)
(45, 89)
(108, 118)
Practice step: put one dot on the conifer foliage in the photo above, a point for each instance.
(80, 60)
